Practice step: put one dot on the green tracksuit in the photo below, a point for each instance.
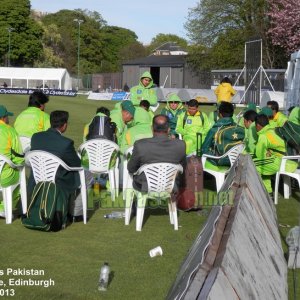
(9, 140)
(189, 129)
(30, 121)
(140, 92)
(217, 144)
(250, 139)
(141, 128)
(173, 115)
(280, 119)
(295, 115)
(269, 150)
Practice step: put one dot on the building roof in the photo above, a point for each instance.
(169, 46)
(158, 61)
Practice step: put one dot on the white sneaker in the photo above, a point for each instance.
(2, 214)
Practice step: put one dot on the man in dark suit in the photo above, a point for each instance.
(159, 148)
(54, 142)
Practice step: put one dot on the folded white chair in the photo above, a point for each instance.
(160, 181)
(100, 154)
(286, 177)
(232, 154)
(7, 192)
(44, 166)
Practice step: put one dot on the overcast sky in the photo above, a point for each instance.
(145, 18)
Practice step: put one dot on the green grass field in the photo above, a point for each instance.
(72, 258)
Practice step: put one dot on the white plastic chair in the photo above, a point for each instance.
(25, 142)
(286, 177)
(44, 167)
(127, 156)
(100, 153)
(7, 192)
(232, 154)
(160, 180)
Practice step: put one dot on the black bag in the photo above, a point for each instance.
(48, 208)
(102, 127)
(193, 181)
(290, 133)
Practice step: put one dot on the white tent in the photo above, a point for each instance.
(35, 78)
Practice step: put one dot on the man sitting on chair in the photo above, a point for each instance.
(158, 149)
(54, 142)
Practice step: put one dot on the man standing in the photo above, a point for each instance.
(54, 142)
(10, 147)
(33, 119)
(144, 90)
(157, 149)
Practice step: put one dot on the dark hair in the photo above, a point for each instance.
(226, 109)
(58, 118)
(262, 120)
(226, 80)
(37, 98)
(291, 108)
(103, 110)
(145, 103)
(160, 123)
(193, 103)
(273, 105)
(250, 115)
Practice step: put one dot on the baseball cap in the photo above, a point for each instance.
(266, 111)
(4, 112)
(128, 106)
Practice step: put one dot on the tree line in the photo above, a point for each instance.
(217, 32)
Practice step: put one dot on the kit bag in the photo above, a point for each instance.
(102, 127)
(226, 138)
(48, 208)
(290, 133)
(189, 195)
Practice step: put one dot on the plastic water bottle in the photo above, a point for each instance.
(104, 277)
(115, 215)
(96, 187)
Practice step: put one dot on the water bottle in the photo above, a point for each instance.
(96, 187)
(115, 215)
(104, 277)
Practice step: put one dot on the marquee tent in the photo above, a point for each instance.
(35, 78)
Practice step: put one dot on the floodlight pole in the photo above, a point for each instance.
(79, 21)
(9, 29)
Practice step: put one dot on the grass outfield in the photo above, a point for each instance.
(72, 258)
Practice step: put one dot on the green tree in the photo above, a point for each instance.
(25, 37)
(66, 46)
(224, 27)
(116, 41)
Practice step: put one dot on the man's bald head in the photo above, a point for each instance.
(160, 125)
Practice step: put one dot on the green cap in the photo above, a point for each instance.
(128, 106)
(266, 111)
(4, 112)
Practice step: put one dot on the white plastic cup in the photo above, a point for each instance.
(157, 251)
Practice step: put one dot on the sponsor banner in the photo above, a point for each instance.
(52, 92)
(117, 96)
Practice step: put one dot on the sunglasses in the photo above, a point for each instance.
(174, 102)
